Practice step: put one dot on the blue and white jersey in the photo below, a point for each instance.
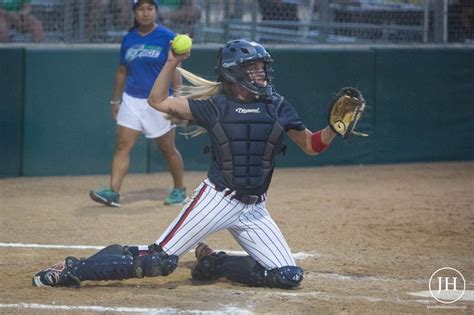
(144, 57)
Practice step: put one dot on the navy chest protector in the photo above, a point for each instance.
(244, 142)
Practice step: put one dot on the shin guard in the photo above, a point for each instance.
(111, 263)
(246, 270)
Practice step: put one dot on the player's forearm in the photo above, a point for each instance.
(327, 135)
(312, 143)
(160, 90)
(177, 83)
(319, 141)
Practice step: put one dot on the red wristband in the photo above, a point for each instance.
(317, 142)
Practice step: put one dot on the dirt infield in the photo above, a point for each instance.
(366, 237)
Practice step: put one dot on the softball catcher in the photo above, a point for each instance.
(246, 121)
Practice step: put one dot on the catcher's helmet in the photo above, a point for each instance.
(231, 62)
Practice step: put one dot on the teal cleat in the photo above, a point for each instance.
(177, 196)
(106, 196)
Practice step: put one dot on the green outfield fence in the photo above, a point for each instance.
(55, 115)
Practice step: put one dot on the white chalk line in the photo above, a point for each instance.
(135, 310)
(447, 295)
(19, 245)
(298, 255)
(467, 296)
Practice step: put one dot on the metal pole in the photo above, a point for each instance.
(67, 21)
(207, 22)
(82, 20)
(207, 5)
(438, 21)
(324, 17)
(309, 19)
(426, 21)
(253, 34)
(226, 20)
(445, 21)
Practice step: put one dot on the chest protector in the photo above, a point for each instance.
(244, 142)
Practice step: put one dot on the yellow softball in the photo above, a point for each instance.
(182, 43)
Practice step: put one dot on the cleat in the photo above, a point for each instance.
(177, 196)
(202, 250)
(208, 262)
(59, 275)
(106, 196)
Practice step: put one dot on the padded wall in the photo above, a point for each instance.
(56, 117)
(11, 110)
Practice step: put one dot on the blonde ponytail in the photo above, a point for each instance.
(200, 89)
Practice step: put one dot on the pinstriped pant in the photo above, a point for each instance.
(210, 211)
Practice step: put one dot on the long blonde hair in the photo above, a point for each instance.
(200, 89)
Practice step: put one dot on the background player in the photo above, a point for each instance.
(18, 14)
(246, 121)
(143, 54)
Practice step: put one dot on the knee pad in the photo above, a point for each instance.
(286, 277)
(157, 264)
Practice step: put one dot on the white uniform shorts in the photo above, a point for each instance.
(136, 114)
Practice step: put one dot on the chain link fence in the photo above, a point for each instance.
(268, 21)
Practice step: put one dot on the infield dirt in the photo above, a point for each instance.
(370, 234)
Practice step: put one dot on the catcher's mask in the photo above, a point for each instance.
(238, 62)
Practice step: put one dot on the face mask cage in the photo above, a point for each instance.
(254, 72)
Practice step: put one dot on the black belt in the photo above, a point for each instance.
(244, 198)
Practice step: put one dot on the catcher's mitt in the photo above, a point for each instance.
(345, 111)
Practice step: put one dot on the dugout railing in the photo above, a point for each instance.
(316, 22)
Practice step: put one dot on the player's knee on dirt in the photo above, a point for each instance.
(155, 264)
